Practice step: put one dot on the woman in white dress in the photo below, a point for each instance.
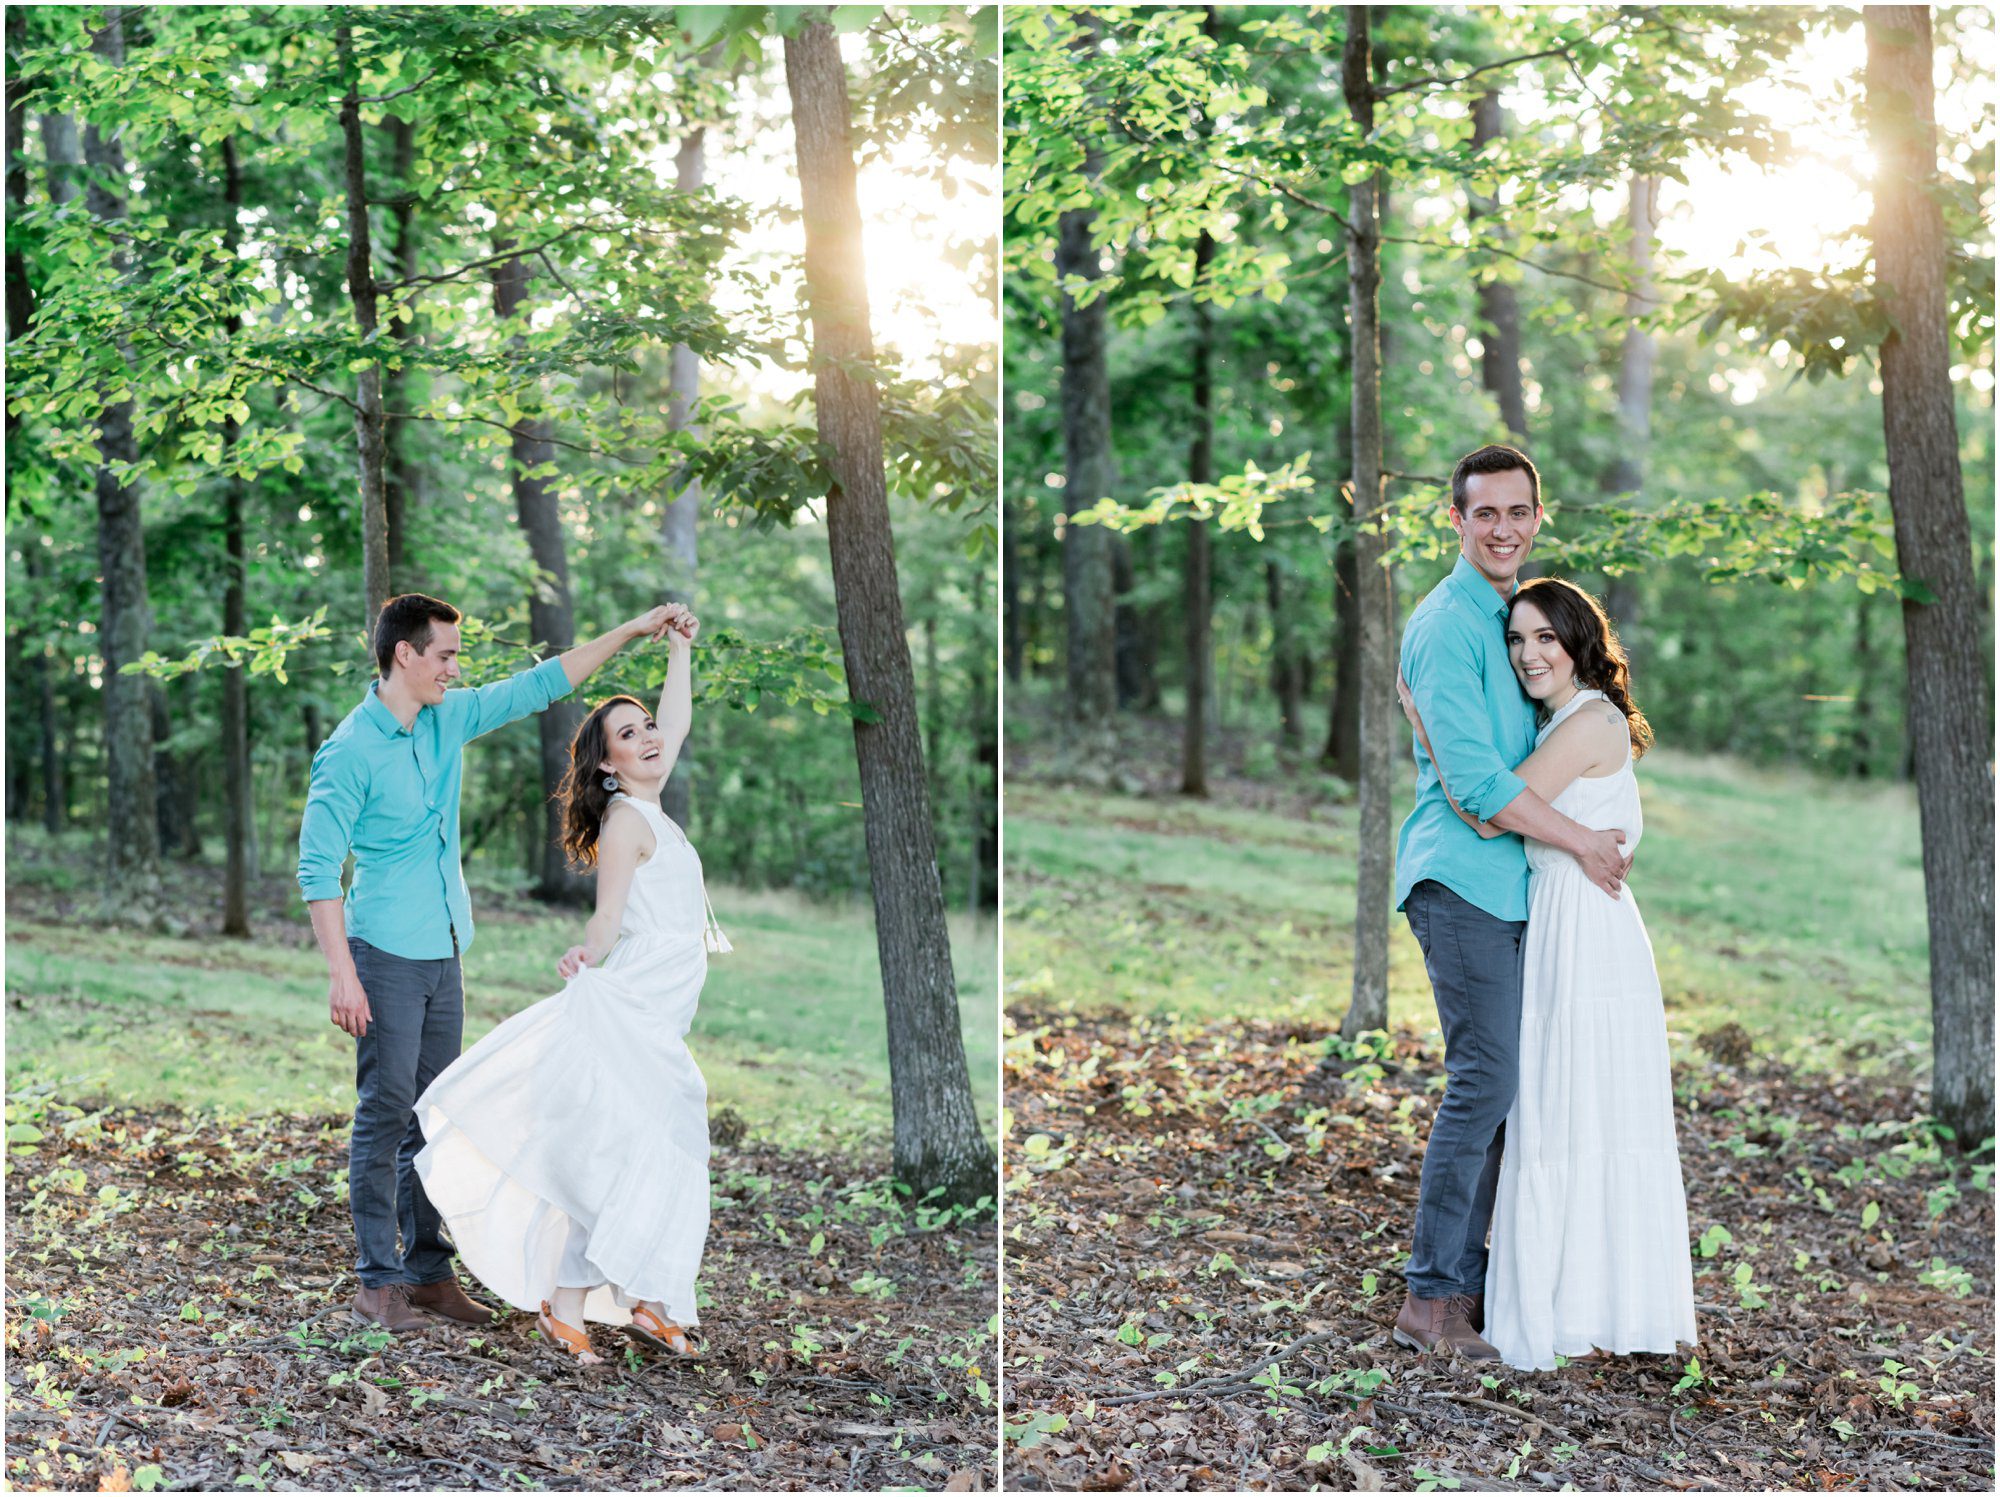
(1590, 1237)
(568, 1150)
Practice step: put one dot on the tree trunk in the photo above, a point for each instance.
(1635, 388)
(1198, 664)
(235, 607)
(1287, 669)
(683, 511)
(399, 494)
(55, 794)
(1342, 753)
(1499, 304)
(982, 892)
(1089, 476)
(551, 618)
(938, 1144)
(131, 809)
(1013, 623)
(1369, 1005)
(1947, 639)
(375, 576)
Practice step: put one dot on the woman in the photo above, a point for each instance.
(1590, 1238)
(568, 1150)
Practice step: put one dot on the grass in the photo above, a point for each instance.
(1785, 902)
(790, 1034)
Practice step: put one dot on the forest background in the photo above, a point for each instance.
(1269, 274)
(556, 312)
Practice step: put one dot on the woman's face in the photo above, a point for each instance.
(633, 746)
(1543, 665)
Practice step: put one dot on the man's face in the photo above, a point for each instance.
(435, 669)
(1496, 529)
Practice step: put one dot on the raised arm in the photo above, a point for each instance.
(622, 842)
(676, 714)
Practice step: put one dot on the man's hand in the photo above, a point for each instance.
(1604, 860)
(572, 962)
(349, 1005)
(681, 624)
(649, 625)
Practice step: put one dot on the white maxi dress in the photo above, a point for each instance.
(1590, 1232)
(570, 1146)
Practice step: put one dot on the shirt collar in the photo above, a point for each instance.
(1477, 590)
(377, 712)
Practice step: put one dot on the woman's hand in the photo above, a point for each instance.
(573, 961)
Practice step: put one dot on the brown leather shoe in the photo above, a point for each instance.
(387, 1307)
(1441, 1325)
(446, 1299)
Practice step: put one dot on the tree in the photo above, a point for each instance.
(1198, 666)
(134, 843)
(1947, 634)
(551, 618)
(1635, 382)
(683, 512)
(1088, 474)
(235, 620)
(1368, 1008)
(1499, 306)
(377, 585)
(937, 1144)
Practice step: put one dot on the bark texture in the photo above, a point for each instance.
(938, 1143)
(1499, 304)
(400, 473)
(235, 606)
(1197, 664)
(376, 582)
(551, 616)
(1949, 639)
(1368, 1008)
(132, 810)
(1089, 476)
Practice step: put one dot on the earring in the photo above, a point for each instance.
(611, 782)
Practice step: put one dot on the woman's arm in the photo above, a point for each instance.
(1592, 740)
(623, 843)
(676, 714)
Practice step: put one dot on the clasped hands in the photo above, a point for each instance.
(669, 618)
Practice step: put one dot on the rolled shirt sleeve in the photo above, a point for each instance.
(333, 806)
(1444, 676)
(481, 709)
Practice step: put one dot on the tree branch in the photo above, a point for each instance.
(1494, 249)
(385, 98)
(1505, 62)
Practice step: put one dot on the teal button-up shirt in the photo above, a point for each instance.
(389, 794)
(1480, 724)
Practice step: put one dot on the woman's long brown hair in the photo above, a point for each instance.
(1586, 633)
(583, 797)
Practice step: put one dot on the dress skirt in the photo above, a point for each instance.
(1590, 1232)
(570, 1146)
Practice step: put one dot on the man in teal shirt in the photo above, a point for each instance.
(1467, 896)
(385, 786)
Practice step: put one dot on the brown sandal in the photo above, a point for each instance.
(571, 1340)
(662, 1335)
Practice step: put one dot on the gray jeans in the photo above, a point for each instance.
(1474, 961)
(417, 1018)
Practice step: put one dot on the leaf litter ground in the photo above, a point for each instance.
(1204, 1226)
(177, 1318)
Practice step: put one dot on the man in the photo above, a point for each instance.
(1466, 897)
(385, 786)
